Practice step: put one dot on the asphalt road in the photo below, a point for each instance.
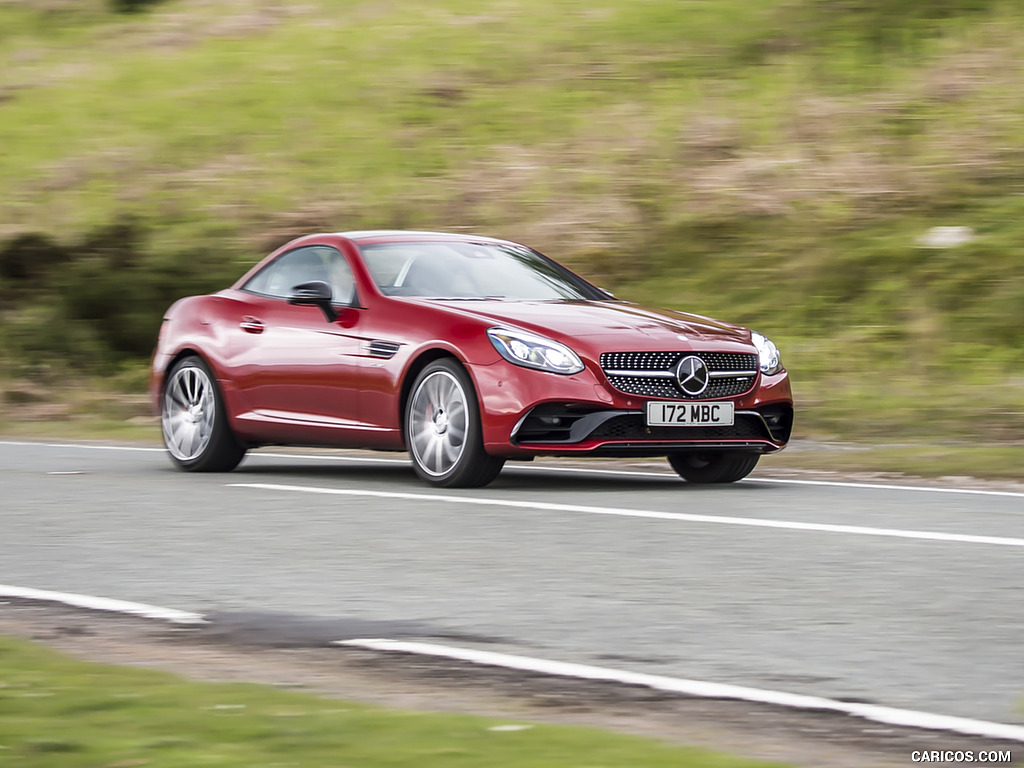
(715, 593)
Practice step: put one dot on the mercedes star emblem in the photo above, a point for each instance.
(693, 375)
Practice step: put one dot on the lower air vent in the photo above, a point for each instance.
(550, 423)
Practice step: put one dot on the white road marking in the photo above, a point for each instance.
(27, 443)
(889, 715)
(103, 604)
(673, 476)
(856, 530)
(561, 470)
(885, 487)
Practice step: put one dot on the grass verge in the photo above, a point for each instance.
(55, 711)
(81, 429)
(988, 461)
(778, 163)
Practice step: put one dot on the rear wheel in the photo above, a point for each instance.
(195, 426)
(442, 429)
(713, 466)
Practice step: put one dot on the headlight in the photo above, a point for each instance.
(532, 351)
(771, 360)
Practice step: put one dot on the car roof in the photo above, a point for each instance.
(406, 234)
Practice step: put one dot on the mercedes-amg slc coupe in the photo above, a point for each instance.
(465, 351)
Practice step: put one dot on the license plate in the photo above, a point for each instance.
(661, 414)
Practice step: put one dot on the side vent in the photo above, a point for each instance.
(383, 349)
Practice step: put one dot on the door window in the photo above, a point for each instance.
(317, 262)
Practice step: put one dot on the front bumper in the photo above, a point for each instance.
(765, 431)
(528, 413)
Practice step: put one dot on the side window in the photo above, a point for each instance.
(317, 262)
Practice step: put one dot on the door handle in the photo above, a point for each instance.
(251, 324)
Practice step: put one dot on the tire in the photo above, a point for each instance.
(713, 466)
(442, 429)
(193, 420)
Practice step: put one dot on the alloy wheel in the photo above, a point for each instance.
(189, 412)
(440, 423)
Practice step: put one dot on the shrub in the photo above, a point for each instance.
(131, 6)
(28, 258)
(97, 301)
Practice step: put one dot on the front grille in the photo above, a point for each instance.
(645, 385)
(645, 373)
(665, 387)
(633, 427)
(640, 361)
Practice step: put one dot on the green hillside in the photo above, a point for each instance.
(771, 162)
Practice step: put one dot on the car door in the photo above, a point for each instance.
(297, 365)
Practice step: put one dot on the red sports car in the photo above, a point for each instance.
(466, 351)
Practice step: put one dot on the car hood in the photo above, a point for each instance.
(615, 322)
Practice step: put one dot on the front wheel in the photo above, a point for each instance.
(713, 466)
(194, 423)
(442, 429)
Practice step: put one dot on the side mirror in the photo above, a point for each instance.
(315, 293)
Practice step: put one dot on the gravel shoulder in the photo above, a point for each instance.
(408, 682)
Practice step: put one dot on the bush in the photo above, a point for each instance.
(98, 301)
(29, 257)
(131, 6)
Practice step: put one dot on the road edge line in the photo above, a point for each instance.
(106, 604)
(906, 718)
(889, 715)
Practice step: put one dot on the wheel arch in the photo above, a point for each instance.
(190, 350)
(227, 392)
(180, 355)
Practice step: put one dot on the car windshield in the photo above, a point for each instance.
(466, 270)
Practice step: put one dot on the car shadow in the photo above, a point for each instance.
(515, 476)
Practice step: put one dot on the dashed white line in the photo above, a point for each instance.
(855, 530)
(85, 446)
(885, 487)
(890, 715)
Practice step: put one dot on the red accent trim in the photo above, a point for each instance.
(590, 445)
